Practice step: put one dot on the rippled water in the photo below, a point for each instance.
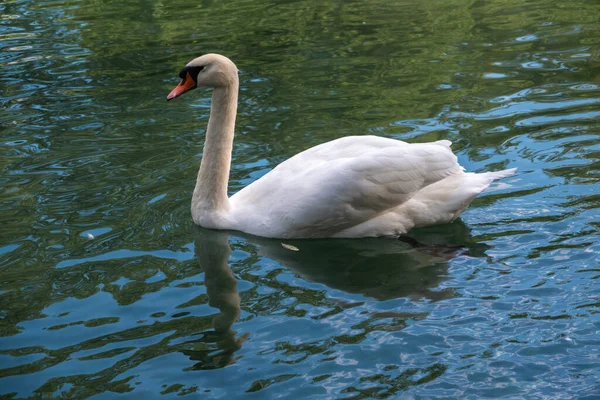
(106, 288)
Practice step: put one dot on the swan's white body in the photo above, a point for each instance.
(356, 186)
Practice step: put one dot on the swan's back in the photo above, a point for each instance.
(335, 186)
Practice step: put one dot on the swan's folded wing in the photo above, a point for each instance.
(312, 196)
(345, 192)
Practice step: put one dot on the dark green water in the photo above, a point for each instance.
(107, 289)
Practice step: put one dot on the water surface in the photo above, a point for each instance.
(107, 289)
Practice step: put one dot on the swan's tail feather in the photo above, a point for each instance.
(501, 174)
(444, 142)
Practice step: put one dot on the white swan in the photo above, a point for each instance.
(356, 186)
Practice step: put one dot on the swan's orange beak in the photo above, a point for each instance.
(185, 85)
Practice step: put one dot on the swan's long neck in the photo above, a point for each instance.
(210, 194)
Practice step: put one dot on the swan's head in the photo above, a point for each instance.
(209, 70)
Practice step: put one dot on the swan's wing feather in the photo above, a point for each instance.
(345, 182)
(384, 178)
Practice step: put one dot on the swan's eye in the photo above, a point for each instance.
(194, 71)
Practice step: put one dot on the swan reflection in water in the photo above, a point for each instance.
(378, 268)
(212, 251)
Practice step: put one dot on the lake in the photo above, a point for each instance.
(108, 290)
